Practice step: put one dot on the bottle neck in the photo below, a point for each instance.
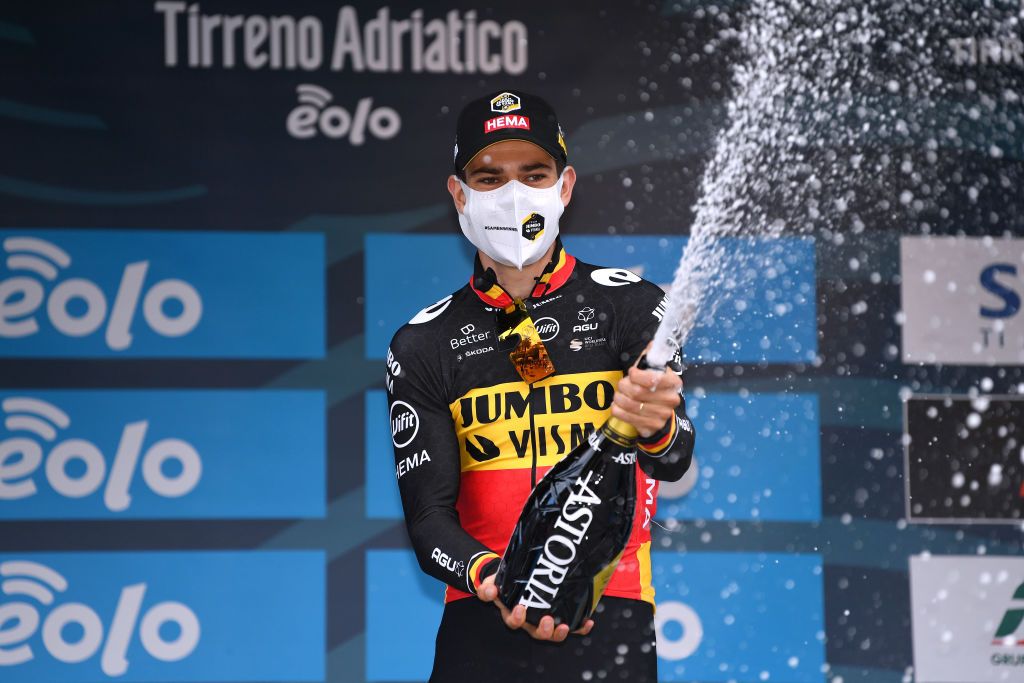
(620, 431)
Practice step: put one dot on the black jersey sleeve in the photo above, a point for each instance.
(666, 454)
(427, 462)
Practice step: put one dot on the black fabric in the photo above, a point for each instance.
(533, 120)
(474, 645)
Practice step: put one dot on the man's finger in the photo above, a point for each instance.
(561, 633)
(585, 629)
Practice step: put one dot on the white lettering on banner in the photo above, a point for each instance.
(967, 617)
(21, 620)
(21, 296)
(689, 640)
(962, 300)
(21, 456)
(559, 550)
(313, 115)
(457, 43)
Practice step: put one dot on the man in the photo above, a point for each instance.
(476, 420)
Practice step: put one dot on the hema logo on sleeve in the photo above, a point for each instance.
(161, 454)
(84, 617)
(962, 300)
(968, 618)
(95, 293)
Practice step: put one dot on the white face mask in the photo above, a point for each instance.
(514, 224)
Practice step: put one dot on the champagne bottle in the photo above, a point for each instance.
(573, 529)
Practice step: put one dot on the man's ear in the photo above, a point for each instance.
(457, 193)
(568, 181)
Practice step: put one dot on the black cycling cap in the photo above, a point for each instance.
(507, 115)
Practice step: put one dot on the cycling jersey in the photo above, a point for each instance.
(472, 438)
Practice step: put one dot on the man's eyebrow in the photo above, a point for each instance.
(486, 170)
(526, 168)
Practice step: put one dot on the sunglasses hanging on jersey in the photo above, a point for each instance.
(529, 357)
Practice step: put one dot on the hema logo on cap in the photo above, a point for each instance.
(504, 103)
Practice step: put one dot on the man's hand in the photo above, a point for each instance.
(647, 399)
(516, 618)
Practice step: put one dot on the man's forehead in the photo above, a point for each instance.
(511, 153)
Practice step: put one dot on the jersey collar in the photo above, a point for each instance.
(484, 283)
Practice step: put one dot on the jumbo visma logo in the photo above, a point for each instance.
(37, 623)
(504, 426)
(37, 291)
(35, 451)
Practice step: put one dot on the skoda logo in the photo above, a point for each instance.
(547, 328)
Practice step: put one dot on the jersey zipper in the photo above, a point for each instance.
(533, 440)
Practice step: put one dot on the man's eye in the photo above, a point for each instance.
(536, 177)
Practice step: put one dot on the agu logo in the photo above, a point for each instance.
(78, 307)
(405, 424)
(30, 588)
(77, 468)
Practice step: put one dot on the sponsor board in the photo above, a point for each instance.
(964, 459)
(144, 616)
(100, 454)
(968, 618)
(739, 616)
(778, 325)
(153, 294)
(756, 458)
(961, 299)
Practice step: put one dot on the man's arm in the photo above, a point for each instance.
(428, 469)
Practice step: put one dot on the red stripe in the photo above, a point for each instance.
(655, 447)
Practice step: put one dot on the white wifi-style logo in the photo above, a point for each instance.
(27, 417)
(35, 255)
(33, 415)
(314, 94)
(77, 307)
(22, 577)
(22, 620)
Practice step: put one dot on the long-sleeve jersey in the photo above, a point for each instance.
(472, 438)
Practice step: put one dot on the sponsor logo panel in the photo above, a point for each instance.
(109, 293)
(395, 584)
(757, 458)
(99, 454)
(961, 300)
(968, 618)
(739, 616)
(382, 499)
(964, 459)
(779, 324)
(86, 617)
(493, 425)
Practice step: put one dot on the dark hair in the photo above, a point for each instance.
(559, 167)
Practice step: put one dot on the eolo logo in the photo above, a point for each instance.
(1006, 632)
(132, 617)
(36, 291)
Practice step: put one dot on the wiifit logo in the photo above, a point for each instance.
(32, 605)
(161, 293)
(38, 450)
(37, 290)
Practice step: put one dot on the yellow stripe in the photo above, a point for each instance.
(643, 556)
(475, 568)
(665, 441)
(495, 420)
